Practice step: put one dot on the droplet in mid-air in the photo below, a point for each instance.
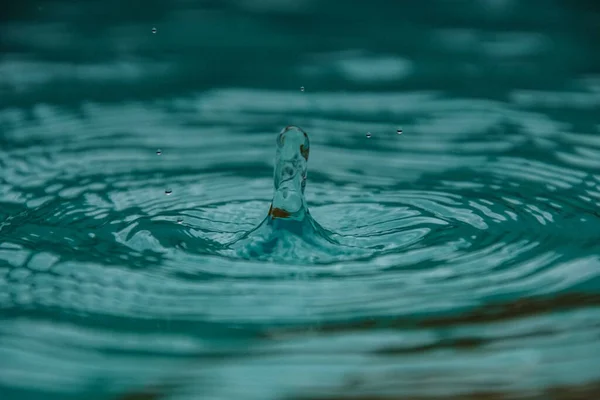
(168, 192)
(302, 88)
(368, 135)
(154, 30)
(180, 221)
(159, 152)
(399, 131)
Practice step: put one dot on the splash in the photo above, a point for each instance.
(288, 232)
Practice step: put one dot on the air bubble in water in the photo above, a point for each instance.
(168, 192)
(368, 135)
(154, 30)
(399, 131)
(159, 152)
(302, 88)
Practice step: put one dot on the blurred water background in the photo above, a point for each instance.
(455, 145)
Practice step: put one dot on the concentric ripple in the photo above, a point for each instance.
(188, 223)
(389, 253)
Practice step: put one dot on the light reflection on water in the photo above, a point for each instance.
(457, 259)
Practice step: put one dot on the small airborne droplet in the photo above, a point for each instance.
(399, 131)
(168, 192)
(159, 152)
(302, 88)
(180, 221)
(154, 30)
(368, 135)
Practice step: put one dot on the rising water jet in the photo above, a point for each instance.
(288, 232)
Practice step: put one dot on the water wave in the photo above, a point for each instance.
(141, 256)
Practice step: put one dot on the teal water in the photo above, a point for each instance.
(440, 241)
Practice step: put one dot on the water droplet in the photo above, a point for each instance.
(302, 88)
(159, 152)
(168, 192)
(180, 221)
(368, 135)
(154, 30)
(399, 131)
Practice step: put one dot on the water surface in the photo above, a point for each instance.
(459, 257)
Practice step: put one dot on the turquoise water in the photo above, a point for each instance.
(444, 244)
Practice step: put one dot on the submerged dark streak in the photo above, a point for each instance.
(466, 343)
(518, 309)
(150, 393)
(490, 313)
(586, 391)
